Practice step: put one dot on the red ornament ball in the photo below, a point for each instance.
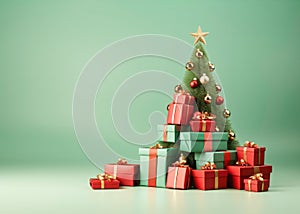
(194, 83)
(219, 100)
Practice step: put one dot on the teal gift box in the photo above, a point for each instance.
(154, 165)
(168, 133)
(221, 158)
(203, 141)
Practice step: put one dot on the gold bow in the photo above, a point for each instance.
(103, 177)
(209, 166)
(122, 161)
(157, 146)
(181, 162)
(250, 144)
(203, 116)
(241, 162)
(257, 176)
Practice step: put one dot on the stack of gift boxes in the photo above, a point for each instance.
(187, 131)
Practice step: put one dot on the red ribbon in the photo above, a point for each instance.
(226, 158)
(208, 142)
(152, 167)
(165, 134)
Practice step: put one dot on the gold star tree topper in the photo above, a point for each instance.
(199, 36)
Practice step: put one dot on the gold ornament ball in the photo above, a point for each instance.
(199, 53)
(226, 113)
(231, 135)
(189, 66)
(211, 66)
(178, 89)
(218, 88)
(204, 79)
(207, 99)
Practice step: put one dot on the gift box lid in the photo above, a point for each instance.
(123, 168)
(203, 136)
(248, 170)
(199, 173)
(249, 149)
(169, 128)
(214, 156)
(189, 99)
(160, 152)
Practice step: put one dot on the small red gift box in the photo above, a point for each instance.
(237, 174)
(178, 177)
(210, 179)
(179, 114)
(182, 98)
(256, 185)
(95, 183)
(127, 174)
(252, 156)
(203, 125)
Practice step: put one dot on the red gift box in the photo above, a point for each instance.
(95, 183)
(178, 177)
(184, 99)
(256, 185)
(252, 156)
(210, 179)
(180, 114)
(237, 174)
(127, 174)
(203, 125)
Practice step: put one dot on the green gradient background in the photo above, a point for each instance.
(45, 45)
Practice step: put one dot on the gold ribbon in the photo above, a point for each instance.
(181, 162)
(175, 178)
(259, 177)
(241, 162)
(157, 146)
(173, 113)
(245, 154)
(249, 184)
(216, 179)
(203, 116)
(209, 166)
(250, 144)
(256, 169)
(122, 161)
(203, 125)
(104, 177)
(115, 171)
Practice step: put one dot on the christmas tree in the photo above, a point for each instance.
(199, 82)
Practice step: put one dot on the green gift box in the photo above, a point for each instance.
(202, 146)
(221, 158)
(218, 136)
(154, 165)
(168, 133)
(203, 141)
